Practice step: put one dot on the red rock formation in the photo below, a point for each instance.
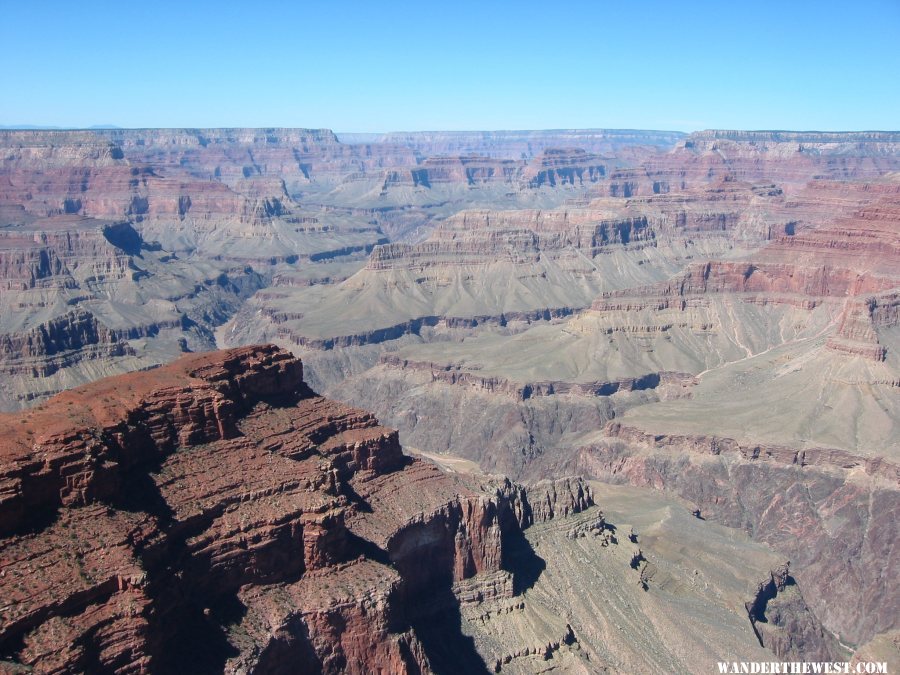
(853, 259)
(549, 499)
(520, 236)
(468, 170)
(859, 323)
(537, 502)
(785, 157)
(218, 510)
(566, 166)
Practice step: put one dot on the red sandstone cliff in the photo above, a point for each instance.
(217, 514)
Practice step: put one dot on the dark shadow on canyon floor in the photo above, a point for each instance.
(200, 643)
(449, 650)
(520, 559)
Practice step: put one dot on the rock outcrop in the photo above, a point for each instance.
(216, 513)
(505, 266)
(787, 157)
(832, 514)
(81, 298)
(566, 166)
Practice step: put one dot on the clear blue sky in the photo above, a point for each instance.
(381, 66)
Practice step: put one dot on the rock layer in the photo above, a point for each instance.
(218, 508)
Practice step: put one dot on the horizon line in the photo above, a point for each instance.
(34, 127)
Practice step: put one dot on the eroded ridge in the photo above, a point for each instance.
(216, 513)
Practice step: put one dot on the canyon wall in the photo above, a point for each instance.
(216, 513)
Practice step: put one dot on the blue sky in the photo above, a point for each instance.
(382, 66)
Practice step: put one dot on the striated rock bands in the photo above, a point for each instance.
(216, 513)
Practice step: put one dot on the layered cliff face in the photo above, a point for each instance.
(217, 515)
(554, 167)
(82, 298)
(469, 170)
(498, 267)
(206, 190)
(159, 235)
(792, 158)
(151, 237)
(821, 142)
(566, 166)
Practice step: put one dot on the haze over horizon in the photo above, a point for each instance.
(353, 67)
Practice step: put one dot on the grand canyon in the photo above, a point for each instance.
(572, 401)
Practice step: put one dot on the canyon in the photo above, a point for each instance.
(217, 514)
(698, 332)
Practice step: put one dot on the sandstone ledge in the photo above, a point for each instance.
(217, 509)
